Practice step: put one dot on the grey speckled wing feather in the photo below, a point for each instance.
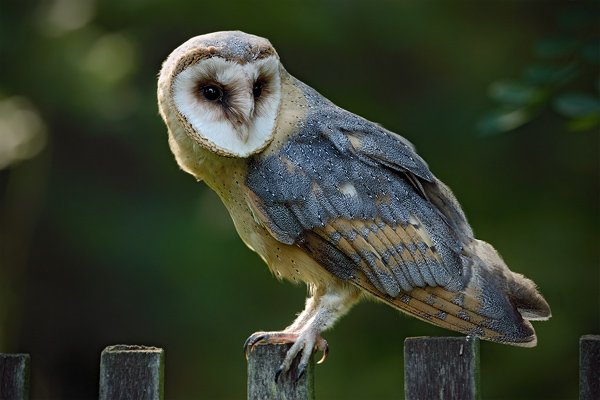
(343, 177)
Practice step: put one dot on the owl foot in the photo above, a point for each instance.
(303, 344)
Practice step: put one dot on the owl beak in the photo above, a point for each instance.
(243, 123)
(243, 132)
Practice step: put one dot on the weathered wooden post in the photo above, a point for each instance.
(132, 372)
(263, 362)
(14, 376)
(589, 367)
(441, 368)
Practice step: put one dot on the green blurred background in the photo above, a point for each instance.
(104, 241)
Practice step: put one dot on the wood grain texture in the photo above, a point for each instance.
(263, 363)
(14, 376)
(589, 367)
(441, 368)
(132, 372)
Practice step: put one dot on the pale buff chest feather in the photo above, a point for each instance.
(227, 177)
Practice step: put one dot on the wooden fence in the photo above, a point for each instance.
(435, 368)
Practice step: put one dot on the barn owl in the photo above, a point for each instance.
(328, 198)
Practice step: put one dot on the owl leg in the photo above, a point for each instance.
(322, 309)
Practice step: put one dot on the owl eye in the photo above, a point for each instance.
(257, 89)
(212, 93)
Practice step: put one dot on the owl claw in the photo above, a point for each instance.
(324, 348)
(303, 345)
(299, 372)
(267, 337)
(252, 340)
(278, 373)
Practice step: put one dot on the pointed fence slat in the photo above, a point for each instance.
(589, 367)
(14, 376)
(263, 363)
(131, 372)
(441, 368)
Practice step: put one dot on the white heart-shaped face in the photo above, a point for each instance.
(231, 107)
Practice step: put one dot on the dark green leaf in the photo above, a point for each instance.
(550, 74)
(577, 104)
(591, 51)
(555, 47)
(515, 93)
(503, 120)
(584, 123)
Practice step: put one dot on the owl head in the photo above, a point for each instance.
(223, 90)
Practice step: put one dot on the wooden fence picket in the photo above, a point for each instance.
(589, 367)
(263, 363)
(434, 368)
(132, 372)
(14, 376)
(441, 368)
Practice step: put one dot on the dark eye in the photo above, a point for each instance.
(257, 89)
(212, 93)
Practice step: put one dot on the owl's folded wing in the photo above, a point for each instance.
(380, 263)
(361, 203)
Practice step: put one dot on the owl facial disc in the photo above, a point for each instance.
(226, 91)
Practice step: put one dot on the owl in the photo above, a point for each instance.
(331, 199)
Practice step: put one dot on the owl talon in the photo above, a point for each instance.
(267, 337)
(323, 346)
(253, 340)
(299, 372)
(303, 345)
(278, 374)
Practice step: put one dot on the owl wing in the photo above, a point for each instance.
(365, 206)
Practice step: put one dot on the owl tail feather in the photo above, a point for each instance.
(530, 303)
(507, 299)
(521, 291)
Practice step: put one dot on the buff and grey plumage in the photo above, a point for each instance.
(331, 199)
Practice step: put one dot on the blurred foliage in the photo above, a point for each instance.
(565, 78)
(104, 241)
(22, 132)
